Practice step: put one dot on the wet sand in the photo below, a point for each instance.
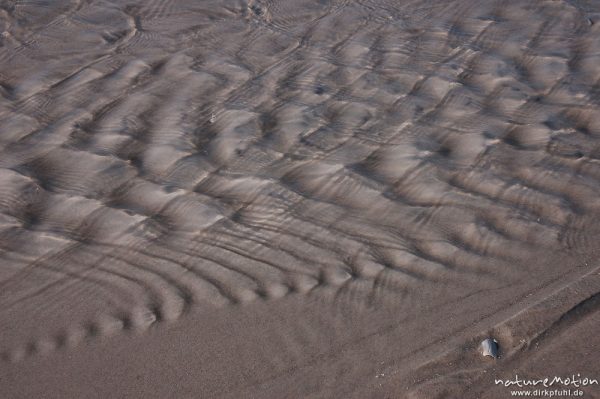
(312, 199)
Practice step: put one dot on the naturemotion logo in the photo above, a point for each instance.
(574, 381)
(557, 386)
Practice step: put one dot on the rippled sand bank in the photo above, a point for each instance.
(296, 198)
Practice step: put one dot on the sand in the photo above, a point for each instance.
(297, 199)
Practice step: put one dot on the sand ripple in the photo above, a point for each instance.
(166, 155)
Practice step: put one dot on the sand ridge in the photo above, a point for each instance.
(163, 158)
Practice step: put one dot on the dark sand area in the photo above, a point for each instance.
(297, 198)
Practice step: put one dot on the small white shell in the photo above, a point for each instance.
(489, 347)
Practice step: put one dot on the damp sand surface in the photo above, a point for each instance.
(311, 199)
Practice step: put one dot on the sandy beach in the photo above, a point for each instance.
(298, 198)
